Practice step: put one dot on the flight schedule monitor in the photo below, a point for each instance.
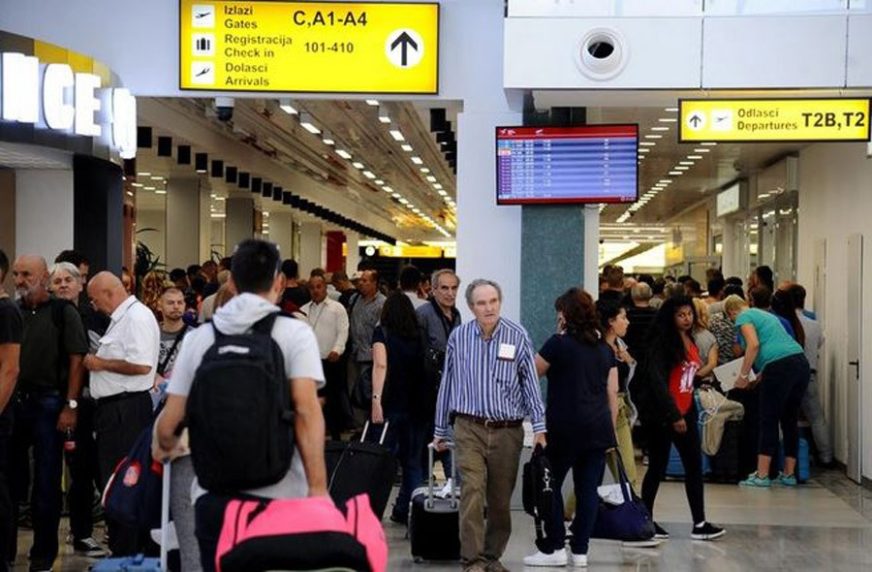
(564, 165)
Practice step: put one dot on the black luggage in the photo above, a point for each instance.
(725, 464)
(434, 523)
(357, 467)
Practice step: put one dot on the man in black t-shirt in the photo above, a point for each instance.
(295, 296)
(49, 385)
(10, 349)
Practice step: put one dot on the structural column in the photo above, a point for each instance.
(310, 247)
(352, 247)
(44, 205)
(281, 232)
(184, 223)
(239, 223)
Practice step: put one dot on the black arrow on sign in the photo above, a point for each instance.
(404, 40)
(695, 120)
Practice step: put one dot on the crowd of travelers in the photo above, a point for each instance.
(85, 360)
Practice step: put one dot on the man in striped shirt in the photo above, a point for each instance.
(488, 386)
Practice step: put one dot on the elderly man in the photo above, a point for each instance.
(122, 373)
(46, 399)
(489, 385)
(329, 320)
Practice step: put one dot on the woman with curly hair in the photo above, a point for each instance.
(582, 401)
(153, 285)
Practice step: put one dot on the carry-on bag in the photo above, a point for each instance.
(308, 533)
(725, 464)
(537, 490)
(434, 522)
(358, 467)
(625, 518)
(140, 563)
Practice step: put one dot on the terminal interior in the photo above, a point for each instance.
(336, 179)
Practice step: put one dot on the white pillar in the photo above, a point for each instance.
(239, 223)
(352, 258)
(281, 231)
(43, 212)
(183, 218)
(488, 236)
(310, 247)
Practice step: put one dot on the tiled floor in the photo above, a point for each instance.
(822, 526)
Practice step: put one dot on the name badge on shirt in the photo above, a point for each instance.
(507, 352)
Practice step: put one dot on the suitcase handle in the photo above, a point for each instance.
(431, 448)
(381, 440)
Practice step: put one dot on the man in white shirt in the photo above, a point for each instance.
(122, 374)
(329, 320)
(410, 281)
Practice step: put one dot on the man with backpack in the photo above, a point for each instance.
(246, 386)
(45, 401)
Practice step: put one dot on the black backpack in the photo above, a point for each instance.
(239, 413)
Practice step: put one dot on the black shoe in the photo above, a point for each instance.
(89, 547)
(707, 531)
(399, 518)
(659, 533)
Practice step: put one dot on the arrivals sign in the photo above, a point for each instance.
(333, 47)
(752, 120)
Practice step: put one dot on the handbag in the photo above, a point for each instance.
(537, 490)
(628, 521)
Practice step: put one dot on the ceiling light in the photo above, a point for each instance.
(665, 181)
(160, 192)
(286, 106)
(343, 153)
(218, 215)
(306, 123)
(369, 175)
(644, 150)
(708, 144)
(388, 189)
(137, 185)
(379, 182)
(397, 135)
(403, 201)
(647, 143)
(383, 116)
(443, 193)
(641, 156)
(149, 188)
(659, 129)
(425, 170)
(357, 165)
(129, 193)
(681, 168)
(327, 138)
(157, 178)
(689, 163)
(671, 110)
(653, 136)
(397, 195)
(675, 173)
(667, 120)
(437, 186)
(431, 178)
(694, 157)
(219, 199)
(417, 160)
(701, 150)
(143, 174)
(372, 102)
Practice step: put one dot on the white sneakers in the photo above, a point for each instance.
(556, 558)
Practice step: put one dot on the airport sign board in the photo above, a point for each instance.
(323, 47)
(755, 120)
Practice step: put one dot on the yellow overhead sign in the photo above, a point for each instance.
(750, 120)
(410, 251)
(337, 47)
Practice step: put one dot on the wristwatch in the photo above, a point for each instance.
(72, 404)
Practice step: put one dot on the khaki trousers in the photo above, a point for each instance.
(488, 459)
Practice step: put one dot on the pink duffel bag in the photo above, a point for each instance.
(301, 534)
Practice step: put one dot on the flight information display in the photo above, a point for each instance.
(554, 165)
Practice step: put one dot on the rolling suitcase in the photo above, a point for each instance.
(434, 523)
(140, 563)
(725, 464)
(358, 467)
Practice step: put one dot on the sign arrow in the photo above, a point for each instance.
(404, 40)
(695, 120)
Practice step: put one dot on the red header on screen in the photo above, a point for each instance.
(508, 133)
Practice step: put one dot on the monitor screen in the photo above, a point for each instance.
(554, 165)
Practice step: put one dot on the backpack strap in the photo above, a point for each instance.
(265, 324)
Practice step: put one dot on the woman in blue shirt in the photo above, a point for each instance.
(581, 408)
(783, 374)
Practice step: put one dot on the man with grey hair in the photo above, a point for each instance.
(640, 316)
(488, 386)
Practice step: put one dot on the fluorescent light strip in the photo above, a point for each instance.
(357, 165)
(437, 186)
(431, 178)
(675, 173)
(667, 120)
(425, 170)
(689, 163)
(369, 175)
(701, 150)
(407, 148)
(417, 160)
(387, 189)
(694, 157)
(708, 144)
(343, 153)
(379, 182)
(372, 102)
(682, 168)
(653, 136)
(647, 143)
(659, 129)
(397, 135)
(671, 110)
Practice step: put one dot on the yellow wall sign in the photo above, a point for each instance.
(750, 120)
(410, 251)
(334, 47)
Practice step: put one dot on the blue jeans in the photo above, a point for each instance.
(587, 474)
(35, 426)
(406, 439)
